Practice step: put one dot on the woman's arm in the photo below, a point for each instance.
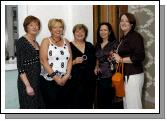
(69, 64)
(97, 69)
(29, 89)
(118, 58)
(20, 66)
(137, 46)
(137, 50)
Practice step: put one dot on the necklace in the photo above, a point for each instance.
(118, 46)
(55, 40)
(32, 41)
(34, 44)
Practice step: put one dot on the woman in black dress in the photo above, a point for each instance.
(28, 64)
(82, 83)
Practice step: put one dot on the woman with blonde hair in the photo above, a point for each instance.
(55, 56)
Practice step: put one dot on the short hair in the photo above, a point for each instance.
(111, 37)
(81, 26)
(30, 19)
(53, 21)
(131, 19)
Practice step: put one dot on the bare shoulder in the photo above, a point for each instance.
(45, 41)
(66, 40)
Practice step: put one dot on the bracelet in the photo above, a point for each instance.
(68, 74)
(52, 74)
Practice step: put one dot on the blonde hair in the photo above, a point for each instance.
(53, 21)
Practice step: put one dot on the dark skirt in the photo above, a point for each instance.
(29, 102)
(55, 96)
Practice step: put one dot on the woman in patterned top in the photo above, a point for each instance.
(55, 56)
(28, 64)
(105, 44)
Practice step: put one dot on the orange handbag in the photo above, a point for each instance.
(118, 80)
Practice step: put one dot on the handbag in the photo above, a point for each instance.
(118, 80)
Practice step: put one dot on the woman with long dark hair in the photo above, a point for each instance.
(105, 44)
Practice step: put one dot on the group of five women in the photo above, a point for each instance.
(60, 74)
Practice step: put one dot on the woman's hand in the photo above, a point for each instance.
(110, 56)
(30, 91)
(116, 57)
(58, 80)
(97, 70)
(78, 60)
(65, 78)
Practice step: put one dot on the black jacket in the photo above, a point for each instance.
(132, 46)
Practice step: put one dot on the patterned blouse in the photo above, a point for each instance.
(57, 58)
(102, 56)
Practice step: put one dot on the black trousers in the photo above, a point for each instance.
(105, 94)
(55, 96)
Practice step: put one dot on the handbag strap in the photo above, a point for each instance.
(122, 67)
(119, 65)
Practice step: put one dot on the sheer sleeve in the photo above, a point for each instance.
(20, 56)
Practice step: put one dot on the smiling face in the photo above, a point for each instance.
(79, 34)
(104, 32)
(125, 24)
(33, 28)
(31, 25)
(57, 29)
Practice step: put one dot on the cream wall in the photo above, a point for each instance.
(71, 14)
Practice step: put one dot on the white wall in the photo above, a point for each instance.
(71, 14)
